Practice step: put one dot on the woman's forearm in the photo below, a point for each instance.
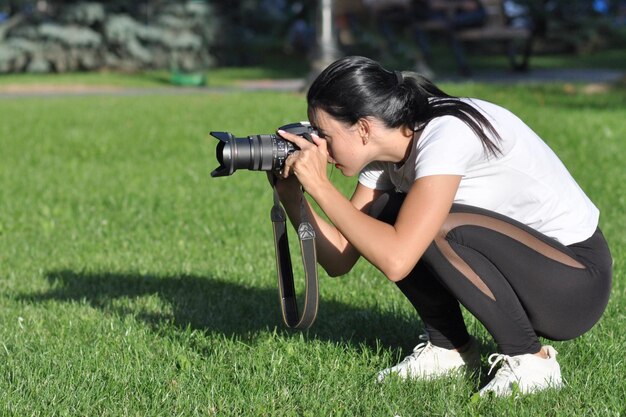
(373, 239)
(393, 249)
(334, 253)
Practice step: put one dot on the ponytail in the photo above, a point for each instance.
(357, 87)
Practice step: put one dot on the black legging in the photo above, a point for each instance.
(518, 282)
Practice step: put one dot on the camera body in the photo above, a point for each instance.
(266, 152)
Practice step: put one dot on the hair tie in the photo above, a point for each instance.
(399, 77)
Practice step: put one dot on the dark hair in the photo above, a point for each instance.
(355, 87)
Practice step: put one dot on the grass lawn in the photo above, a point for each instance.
(133, 284)
(217, 77)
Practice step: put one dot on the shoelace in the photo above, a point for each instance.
(506, 369)
(419, 349)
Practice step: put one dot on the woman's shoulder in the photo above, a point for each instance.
(489, 109)
(445, 126)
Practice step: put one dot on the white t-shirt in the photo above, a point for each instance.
(527, 182)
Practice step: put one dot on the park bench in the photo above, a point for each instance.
(516, 40)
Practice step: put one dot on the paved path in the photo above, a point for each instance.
(297, 85)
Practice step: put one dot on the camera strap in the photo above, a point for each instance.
(286, 286)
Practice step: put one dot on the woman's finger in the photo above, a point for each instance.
(298, 140)
(321, 143)
(288, 167)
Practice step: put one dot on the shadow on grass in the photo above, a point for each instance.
(215, 306)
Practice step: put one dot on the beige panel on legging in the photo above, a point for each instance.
(455, 220)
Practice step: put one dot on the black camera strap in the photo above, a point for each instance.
(286, 286)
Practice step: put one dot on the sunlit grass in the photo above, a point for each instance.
(131, 283)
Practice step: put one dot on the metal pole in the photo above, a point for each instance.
(326, 50)
(327, 41)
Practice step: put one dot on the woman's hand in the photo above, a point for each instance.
(309, 163)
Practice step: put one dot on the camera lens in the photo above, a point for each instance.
(255, 153)
(281, 150)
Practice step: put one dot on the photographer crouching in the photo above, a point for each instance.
(458, 202)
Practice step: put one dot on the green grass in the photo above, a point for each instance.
(135, 80)
(216, 77)
(133, 284)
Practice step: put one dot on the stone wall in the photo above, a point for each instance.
(87, 36)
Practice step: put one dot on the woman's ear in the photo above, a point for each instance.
(365, 129)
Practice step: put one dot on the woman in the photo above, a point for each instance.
(458, 201)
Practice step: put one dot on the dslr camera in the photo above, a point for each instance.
(266, 152)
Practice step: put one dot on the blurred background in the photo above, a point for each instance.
(296, 38)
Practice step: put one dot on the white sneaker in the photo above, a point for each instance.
(529, 373)
(429, 361)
